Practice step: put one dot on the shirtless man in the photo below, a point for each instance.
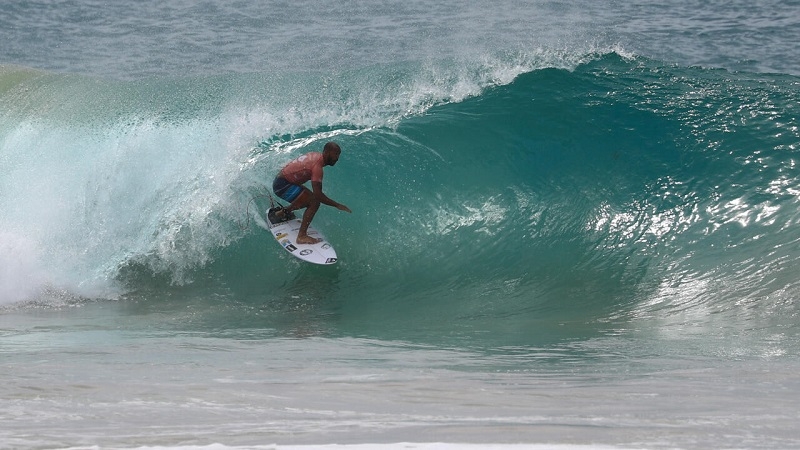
(288, 185)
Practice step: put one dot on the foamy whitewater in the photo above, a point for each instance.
(575, 225)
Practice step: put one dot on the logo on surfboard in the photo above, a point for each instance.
(287, 244)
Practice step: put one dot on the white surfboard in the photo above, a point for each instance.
(285, 232)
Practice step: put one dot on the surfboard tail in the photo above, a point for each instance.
(277, 215)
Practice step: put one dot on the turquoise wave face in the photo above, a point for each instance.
(622, 190)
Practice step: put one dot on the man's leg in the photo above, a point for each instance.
(305, 200)
(301, 201)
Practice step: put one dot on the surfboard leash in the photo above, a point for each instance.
(246, 226)
(272, 204)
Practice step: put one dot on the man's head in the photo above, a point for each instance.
(330, 153)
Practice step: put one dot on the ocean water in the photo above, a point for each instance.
(575, 225)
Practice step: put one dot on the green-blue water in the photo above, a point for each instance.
(561, 237)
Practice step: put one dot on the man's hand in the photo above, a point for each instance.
(343, 208)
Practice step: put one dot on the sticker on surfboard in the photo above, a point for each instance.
(284, 230)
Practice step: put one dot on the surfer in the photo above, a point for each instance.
(288, 185)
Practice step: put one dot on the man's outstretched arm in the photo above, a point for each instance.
(317, 186)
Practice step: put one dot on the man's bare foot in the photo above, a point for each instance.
(306, 239)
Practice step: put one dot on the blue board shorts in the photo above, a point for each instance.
(286, 190)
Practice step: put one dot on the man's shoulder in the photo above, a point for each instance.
(309, 158)
(315, 157)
